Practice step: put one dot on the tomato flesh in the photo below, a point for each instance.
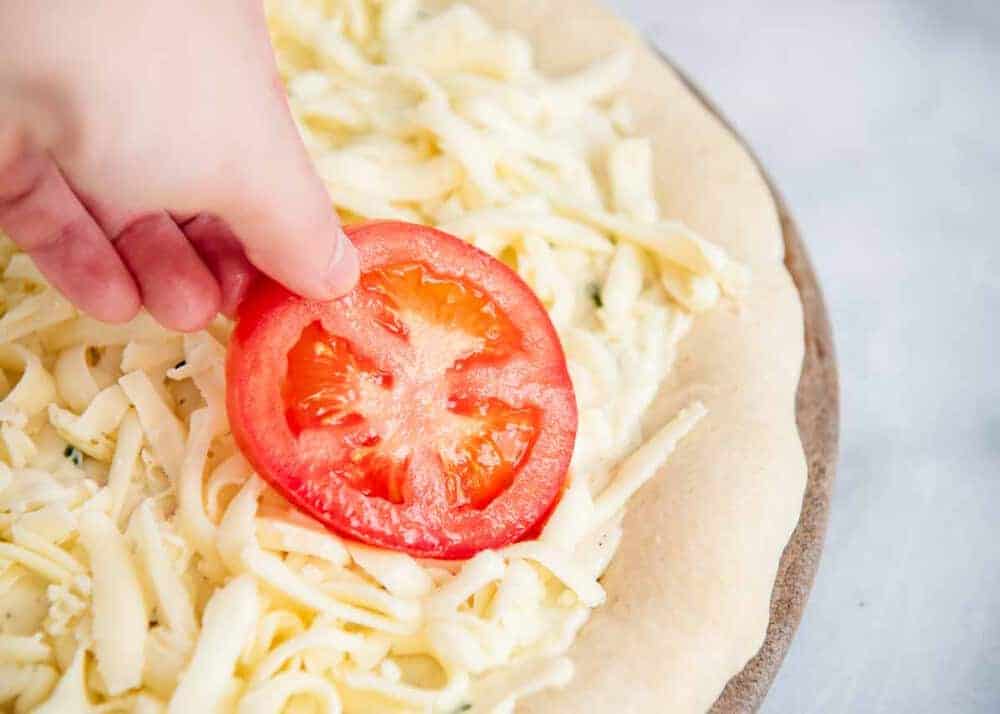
(428, 411)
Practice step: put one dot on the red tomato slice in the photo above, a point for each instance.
(429, 411)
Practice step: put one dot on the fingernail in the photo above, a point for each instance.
(343, 269)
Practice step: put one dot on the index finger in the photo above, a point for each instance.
(42, 215)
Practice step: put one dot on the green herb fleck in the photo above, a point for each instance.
(74, 455)
(595, 294)
(462, 708)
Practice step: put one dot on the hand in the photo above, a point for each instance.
(147, 157)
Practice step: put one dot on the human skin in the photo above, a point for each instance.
(148, 157)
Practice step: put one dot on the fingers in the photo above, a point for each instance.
(176, 286)
(41, 214)
(278, 207)
(223, 255)
(296, 239)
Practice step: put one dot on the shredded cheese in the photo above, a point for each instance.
(146, 569)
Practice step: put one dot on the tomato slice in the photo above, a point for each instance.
(428, 411)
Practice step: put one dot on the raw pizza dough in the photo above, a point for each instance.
(690, 587)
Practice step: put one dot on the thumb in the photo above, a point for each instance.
(287, 224)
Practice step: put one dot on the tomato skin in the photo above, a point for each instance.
(307, 468)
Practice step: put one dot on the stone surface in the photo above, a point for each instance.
(877, 121)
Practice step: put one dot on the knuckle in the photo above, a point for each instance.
(21, 170)
(53, 236)
(12, 142)
(141, 225)
(38, 221)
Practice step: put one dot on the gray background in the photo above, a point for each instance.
(879, 122)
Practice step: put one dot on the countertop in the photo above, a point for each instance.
(880, 123)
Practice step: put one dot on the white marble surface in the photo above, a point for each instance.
(879, 121)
